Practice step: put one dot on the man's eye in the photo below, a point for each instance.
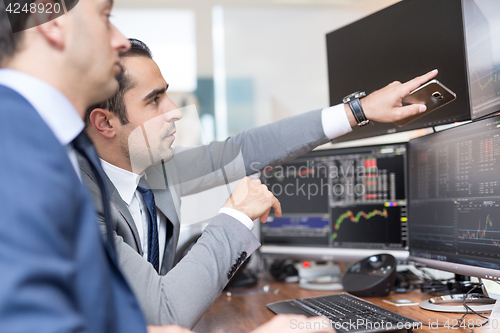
(155, 101)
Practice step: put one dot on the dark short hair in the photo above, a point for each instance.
(12, 25)
(115, 104)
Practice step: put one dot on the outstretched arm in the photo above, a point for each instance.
(249, 152)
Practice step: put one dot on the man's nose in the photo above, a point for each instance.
(173, 114)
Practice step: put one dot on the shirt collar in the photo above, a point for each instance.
(125, 181)
(54, 108)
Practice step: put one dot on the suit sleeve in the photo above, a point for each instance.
(186, 292)
(198, 169)
(281, 141)
(37, 266)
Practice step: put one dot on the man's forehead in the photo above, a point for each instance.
(143, 72)
(101, 4)
(108, 3)
(98, 5)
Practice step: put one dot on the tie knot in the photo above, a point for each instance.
(144, 191)
(148, 196)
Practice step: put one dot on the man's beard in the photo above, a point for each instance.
(141, 157)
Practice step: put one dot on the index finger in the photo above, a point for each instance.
(277, 207)
(418, 81)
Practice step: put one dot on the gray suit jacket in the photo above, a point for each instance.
(181, 295)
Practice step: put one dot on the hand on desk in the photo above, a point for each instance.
(386, 105)
(167, 329)
(281, 324)
(295, 324)
(253, 199)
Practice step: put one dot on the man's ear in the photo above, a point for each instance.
(102, 121)
(49, 24)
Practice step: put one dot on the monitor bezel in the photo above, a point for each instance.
(473, 117)
(448, 266)
(358, 135)
(462, 269)
(328, 254)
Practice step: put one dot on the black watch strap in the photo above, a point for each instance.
(358, 112)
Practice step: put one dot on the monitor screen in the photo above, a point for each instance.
(482, 32)
(339, 204)
(454, 199)
(399, 43)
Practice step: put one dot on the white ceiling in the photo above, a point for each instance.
(362, 5)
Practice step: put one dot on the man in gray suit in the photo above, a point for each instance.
(133, 133)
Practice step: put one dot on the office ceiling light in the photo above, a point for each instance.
(318, 2)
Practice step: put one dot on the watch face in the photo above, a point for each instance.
(357, 94)
(349, 97)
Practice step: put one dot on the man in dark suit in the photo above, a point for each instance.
(57, 273)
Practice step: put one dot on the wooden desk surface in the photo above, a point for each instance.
(243, 313)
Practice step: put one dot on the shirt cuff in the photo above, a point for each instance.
(335, 121)
(247, 222)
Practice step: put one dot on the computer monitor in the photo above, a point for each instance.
(339, 204)
(454, 199)
(482, 31)
(401, 42)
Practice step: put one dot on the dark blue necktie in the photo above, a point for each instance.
(153, 246)
(85, 147)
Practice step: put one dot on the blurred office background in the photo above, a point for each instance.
(243, 63)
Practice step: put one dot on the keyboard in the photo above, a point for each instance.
(348, 313)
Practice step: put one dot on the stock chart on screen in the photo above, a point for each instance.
(354, 198)
(455, 193)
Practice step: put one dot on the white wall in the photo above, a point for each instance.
(170, 34)
(283, 50)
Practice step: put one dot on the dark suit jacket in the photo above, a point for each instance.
(55, 275)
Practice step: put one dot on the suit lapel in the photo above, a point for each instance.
(164, 198)
(166, 206)
(124, 214)
(164, 203)
(119, 210)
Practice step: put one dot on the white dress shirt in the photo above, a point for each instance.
(126, 183)
(52, 106)
(335, 121)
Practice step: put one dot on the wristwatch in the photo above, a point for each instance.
(355, 105)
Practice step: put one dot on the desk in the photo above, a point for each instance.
(243, 313)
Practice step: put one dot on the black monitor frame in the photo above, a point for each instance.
(458, 263)
(401, 42)
(480, 39)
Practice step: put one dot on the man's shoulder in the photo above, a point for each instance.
(85, 168)
(13, 100)
(30, 151)
(19, 117)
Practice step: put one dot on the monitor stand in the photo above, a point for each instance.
(444, 303)
(482, 303)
